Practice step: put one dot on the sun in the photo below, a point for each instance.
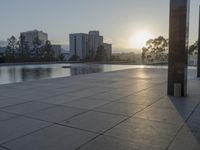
(139, 39)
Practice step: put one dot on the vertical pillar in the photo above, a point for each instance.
(198, 58)
(178, 45)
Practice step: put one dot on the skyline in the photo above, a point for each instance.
(122, 24)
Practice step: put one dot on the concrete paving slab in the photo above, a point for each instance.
(163, 115)
(153, 120)
(6, 116)
(141, 100)
(59, 99)
(86, 103)
(145, 131)
(27, 107)
(185, 140)
(120, 108)
(9, 101)
(20, 126)
(94, 121)
(109, 96)
(52, 138)
(56, 114)
(112, 143)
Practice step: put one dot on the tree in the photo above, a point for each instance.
(156, 49)
(10, 49)
(193, 49)
(61, 57)
(74, 58)
(91, 55)
(2, 58)
(100, 54)
(47, 52)
(115, 58)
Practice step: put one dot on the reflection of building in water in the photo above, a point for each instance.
(28, 74)
(84, 70)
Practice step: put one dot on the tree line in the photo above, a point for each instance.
(18, 50)
(156, 50)
(100, 56)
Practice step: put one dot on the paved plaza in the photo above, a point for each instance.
(121, 110)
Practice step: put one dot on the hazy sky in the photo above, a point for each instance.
(120, 21)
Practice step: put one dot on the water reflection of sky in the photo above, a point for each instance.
(20, 73)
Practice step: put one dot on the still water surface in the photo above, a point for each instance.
(21, 73)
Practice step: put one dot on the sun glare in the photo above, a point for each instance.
(138, 40)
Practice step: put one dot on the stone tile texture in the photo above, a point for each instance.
(120, 110)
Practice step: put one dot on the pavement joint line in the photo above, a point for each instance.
(14, 113)
(111, 102)
(111, 90)
(85, 130)
(34, 118)
(103, 133)
(114, 114)
(125, 102)
(184, 123)
(15, 104)
(131, 116)
(1, 146)
(13, 139)
(87, 142)
(11, 118)
(23, 103)
(59, 105)
(21, 96)
(78, 98)
(93, 109)
(125, 97)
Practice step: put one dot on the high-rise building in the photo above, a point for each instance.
(57, 50)
(95, 40)
(108, 50)
(85, 45)
(79, 45)
(30, 36)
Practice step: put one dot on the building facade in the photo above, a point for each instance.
(57, 50)
(79, 45)
(108, 50)
(85, 45)
(94, 40)
(30, 36)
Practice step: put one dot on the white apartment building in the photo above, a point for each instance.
(31, 35)
(79, 45)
